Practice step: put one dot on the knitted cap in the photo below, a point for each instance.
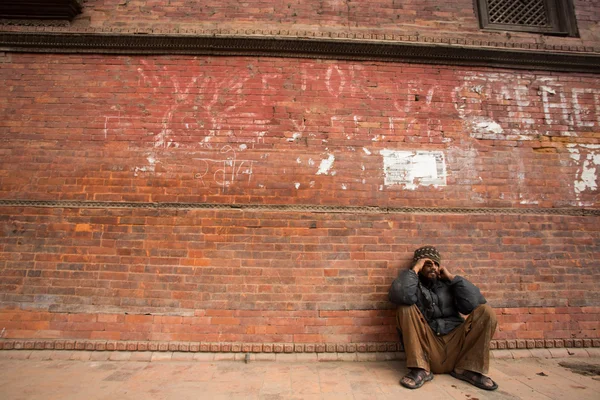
(428, 252)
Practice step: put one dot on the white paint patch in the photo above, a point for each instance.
(367, 152)
(326, 165)
(243, 146)
(297, 185)
(483, 128)
(151, 167)
(298, 161)
(574, 152)
(587, 175)
(529, 202)
(344, 186)
(414, 168)
(295, 136)
(311, 162)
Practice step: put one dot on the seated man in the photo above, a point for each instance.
(436, 337)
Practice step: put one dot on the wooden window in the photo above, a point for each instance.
(551, 17)
(36, 9)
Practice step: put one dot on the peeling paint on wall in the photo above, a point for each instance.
(587, 156)
(483, 128)
(414, 168)
(521, 98)
(326, 165)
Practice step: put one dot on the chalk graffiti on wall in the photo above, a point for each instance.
(224, 172)
(254, 108)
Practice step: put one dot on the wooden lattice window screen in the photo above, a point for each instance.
(552, 17)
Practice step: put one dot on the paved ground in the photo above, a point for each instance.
(524, 378)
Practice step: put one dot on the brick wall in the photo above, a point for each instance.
(251, 276)
(415, 20)
(283, 131)
(499, 168)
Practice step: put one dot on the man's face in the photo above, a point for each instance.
(430, 270)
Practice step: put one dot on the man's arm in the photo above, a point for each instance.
(466, 295)
(404, 287)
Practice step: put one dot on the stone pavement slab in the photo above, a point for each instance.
(185, 378)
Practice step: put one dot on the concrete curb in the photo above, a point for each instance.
(162, 356)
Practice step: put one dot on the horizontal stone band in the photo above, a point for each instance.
(242, 43)
(111, 345)
(301, 208)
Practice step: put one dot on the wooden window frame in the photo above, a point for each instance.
(40, 10)
(561, 17)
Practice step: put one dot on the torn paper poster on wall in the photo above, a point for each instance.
(414, 168)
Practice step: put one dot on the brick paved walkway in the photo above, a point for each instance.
(76, 375)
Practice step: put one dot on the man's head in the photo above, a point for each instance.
(430, 268)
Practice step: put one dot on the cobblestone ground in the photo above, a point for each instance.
(44, 375)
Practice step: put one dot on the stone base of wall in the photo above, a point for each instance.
(152, 356)
(269, 348)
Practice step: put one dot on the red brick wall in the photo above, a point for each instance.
(231, 131)
(284, 131)
(456, 19)
(414, 20)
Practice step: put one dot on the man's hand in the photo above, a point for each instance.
(445, 274)
(419, 265)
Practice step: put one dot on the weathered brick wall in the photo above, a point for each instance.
(416, 20)
(255, 276)
(283, 131)
(506, 147)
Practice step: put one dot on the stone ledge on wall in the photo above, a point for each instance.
(390, 48)
(156, 356)
(51, 26)
(272, 348)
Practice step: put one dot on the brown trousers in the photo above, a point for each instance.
(466, 347)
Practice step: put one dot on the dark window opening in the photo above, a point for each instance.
(36, 9)
(550, 17)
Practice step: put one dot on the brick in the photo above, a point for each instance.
(81, 355)
(307, 277)
(162, 356)
(179, 356)
(101, 356)
(540, 353)
(204, 356)
(559, 353)
(120, 356)
(521, 353)
(503, 354)
(577, 352)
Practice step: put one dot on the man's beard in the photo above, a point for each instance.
(427, 281)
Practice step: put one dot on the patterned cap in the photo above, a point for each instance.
(428, 252)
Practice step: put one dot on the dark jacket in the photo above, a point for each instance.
(441, 302)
